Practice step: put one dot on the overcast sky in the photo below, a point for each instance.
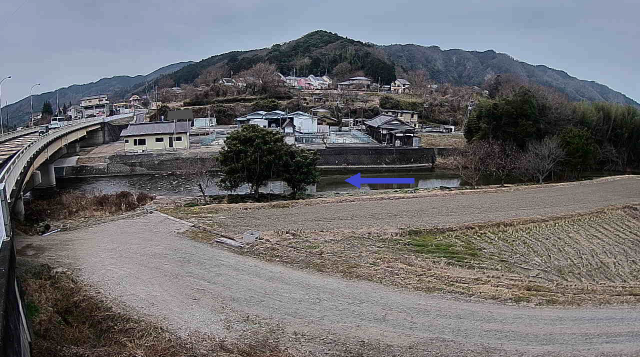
(59, 43)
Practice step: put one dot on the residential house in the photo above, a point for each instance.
(400, 86)
(75, 112)
(408, 116)
(389, 130)
(156, 136)
(135, 100)
(319, 82)
(251, 116)
(308, 83)
(355, 83)
(227, 82)
(301, 122)
(97, 105)
(121, 108)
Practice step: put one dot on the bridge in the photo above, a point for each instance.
(27, 163)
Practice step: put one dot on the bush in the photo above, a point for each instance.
(268, 105)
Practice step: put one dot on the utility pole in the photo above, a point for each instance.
(31, 96)
(3, 79)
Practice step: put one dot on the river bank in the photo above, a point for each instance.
(110, 160)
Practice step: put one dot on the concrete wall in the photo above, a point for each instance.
(375, 156)
(107, 133)
(133, 164)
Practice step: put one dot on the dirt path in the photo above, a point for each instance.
(193, 287)
(437, 209)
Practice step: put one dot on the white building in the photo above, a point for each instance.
(97, 105)
(304, 123)
(204, 122)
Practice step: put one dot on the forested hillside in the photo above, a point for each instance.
(322, 52)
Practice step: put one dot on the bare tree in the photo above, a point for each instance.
(502, 159)
(472, 162)
(420, 83)
(542, 157)
(198, 170)
(261, 78)
(212, 75)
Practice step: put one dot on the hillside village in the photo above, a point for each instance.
(311, 110)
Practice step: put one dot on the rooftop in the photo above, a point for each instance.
(388, 122)
(156, 128)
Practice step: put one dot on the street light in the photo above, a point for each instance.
(31, 96)
(3, 79)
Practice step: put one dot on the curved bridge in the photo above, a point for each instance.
(27, 162)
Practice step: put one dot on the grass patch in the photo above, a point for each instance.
(436, 246)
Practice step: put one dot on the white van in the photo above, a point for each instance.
(56, 122)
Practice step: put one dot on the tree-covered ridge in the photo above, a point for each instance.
(317, 53)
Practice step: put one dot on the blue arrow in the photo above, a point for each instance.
(358, 181)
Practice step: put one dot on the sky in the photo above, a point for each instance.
(60, 43)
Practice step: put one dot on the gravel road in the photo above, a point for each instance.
(438, 209)
(193, 287)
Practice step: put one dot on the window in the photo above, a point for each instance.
(178, 138)
(126, 141)
(159, 140)
(139, 142)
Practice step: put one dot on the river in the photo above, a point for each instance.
(180, 185)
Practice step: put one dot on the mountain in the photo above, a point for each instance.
(115, 87)
(321, 52)
(472, 68)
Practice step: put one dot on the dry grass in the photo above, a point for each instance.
(74, 206)
(589, 259)
(442, 141)
(68, 319)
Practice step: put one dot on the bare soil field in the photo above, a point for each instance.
(542, 255)
(146, 266)
(589, 259)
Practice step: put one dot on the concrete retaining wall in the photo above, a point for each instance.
(136, 164)
(375, 156)
(333, 157)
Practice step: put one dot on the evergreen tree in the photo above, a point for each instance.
(47, 108)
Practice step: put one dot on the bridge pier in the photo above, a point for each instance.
(18, 208)
(47, 175)
(73, 147)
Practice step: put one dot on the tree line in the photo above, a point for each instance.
(533, 131)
